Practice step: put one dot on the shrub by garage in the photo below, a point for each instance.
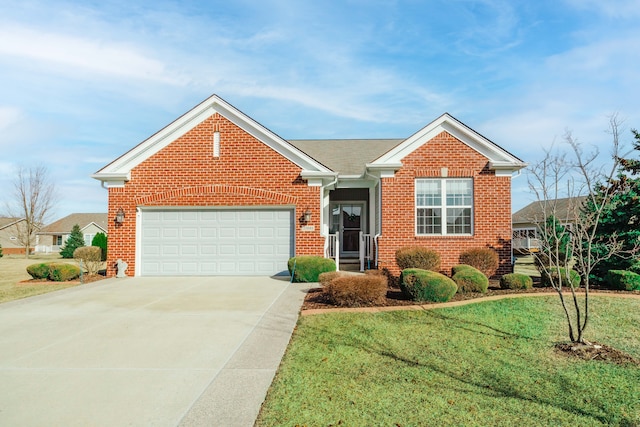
(62, 272)
(516, 281)
(355, 290)
(307, 268)
(39, 271)
(469, 279)
(426, 285)
(90, 257)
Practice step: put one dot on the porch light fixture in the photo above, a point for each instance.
(307, 216)
(119, 216)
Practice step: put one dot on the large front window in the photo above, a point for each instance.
(444, 206)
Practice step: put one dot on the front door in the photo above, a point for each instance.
(347, 219)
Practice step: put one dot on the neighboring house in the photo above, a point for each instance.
(526, 221)
(53, 236)
(216, 193)
(9, 236)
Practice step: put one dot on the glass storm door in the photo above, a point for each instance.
(347, 220)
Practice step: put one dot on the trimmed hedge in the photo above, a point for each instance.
(61, 272)
(516, 281)
(57, 271)
(90, 257)
(417, 257)
(309, 267)
(356, 290)
(546, 276)
(623, 280)
(484, 259)
(470, 279)
(38, 271)
(426, 285)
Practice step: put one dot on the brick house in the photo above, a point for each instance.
(216, 193)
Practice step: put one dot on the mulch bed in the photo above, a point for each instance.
(316, 300)
(85, 279)
(595, 351)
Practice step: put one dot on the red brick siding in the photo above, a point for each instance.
(492, 204)
(185, 173)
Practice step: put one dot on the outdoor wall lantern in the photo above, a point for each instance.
(120, 216)
(307, 216)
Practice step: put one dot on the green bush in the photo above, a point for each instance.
(61, 272)
(356, 290)
(38, 271)
(516, 281)
(90, 257)
(417, 257)
(308, 267)
(552, 273)
(426, 285)
(470, 279)
(623, 280)
(100, 240)
(0, 251)
(484, 259)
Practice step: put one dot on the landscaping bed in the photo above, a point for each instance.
(315, 299)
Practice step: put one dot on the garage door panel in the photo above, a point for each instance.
(216, 242)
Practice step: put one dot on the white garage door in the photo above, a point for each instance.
(207, 242)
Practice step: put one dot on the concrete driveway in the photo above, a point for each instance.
(145, 351)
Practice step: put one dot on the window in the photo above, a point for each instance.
(88, 238)
(444, 206)
(57, 240)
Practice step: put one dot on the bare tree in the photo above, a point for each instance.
(567, 230)
(32, 200)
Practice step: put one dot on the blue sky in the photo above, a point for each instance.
(84, 81)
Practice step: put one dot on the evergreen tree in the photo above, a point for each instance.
(620, 218)
(100, 240)
(74, 241)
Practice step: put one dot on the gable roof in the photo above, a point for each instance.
(118, 171)
(64, 225)
(331, 152)
(500, 160)
(565, 209)
(6, 221)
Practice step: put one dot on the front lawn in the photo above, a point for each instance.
(13, 270)
(491, 363)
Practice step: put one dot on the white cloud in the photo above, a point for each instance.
(83, 54)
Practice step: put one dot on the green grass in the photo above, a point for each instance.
(13, 270)
(491, 363)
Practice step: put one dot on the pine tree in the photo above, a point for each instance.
(100, 240)
(621, 218)
(74, 241)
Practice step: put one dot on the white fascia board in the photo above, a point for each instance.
(465, 134)
(383, 170)
(318, 178)
(190, 120)
(358, 182)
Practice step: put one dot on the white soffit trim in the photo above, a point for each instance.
(123, 164)
(474, 140)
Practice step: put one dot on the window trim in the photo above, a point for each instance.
(443, 206)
